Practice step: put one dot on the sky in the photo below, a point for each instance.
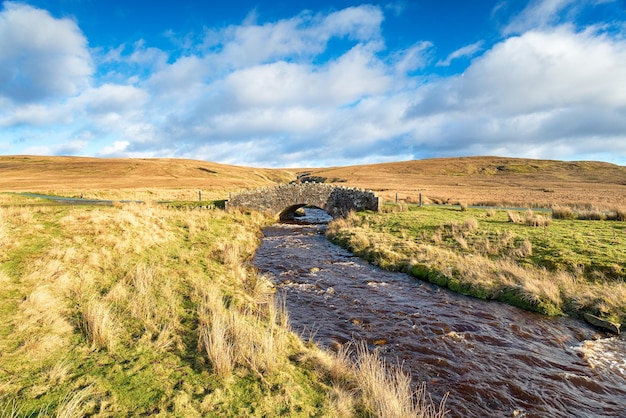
(282, 83)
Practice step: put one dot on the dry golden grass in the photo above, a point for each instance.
(361, 376)
(134, 179)
(101, 307)
(74, 403)
(477, 272)
(494, 181)
(536, 220)
(99, 324)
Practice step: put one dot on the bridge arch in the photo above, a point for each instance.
(285, 199)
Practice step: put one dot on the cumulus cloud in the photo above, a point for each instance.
(42, 57)
(303, 36)
(531, 93)
(540, 70)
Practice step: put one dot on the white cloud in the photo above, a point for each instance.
(303, 36)
(42, 57)
(466, 51)
(530, 94)
(74, 147)
(117, 149)
(111, 98)
(537, 14)
(537, 71)
(544, 14)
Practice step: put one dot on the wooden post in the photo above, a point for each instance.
(199, 195)
(420, 200)
(396, 198)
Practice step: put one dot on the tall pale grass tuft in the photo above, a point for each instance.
(259, 288)
(387, 390)
(214, 334)
(230, 338)
(154, 300)
(620, 214)
(74, 403)
(461, 241)
(514, 217)
(563, 212)
(470, 225)
(99, 324)
(533, 219)
(41, 318)
(591, 215)
(526, 248)
(359, 240)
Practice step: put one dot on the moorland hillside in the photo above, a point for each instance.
(471, 180)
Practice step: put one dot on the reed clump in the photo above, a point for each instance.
(563, 212)
(536, 220)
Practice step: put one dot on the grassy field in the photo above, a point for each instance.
(151, 309)
(147, 310)
(562, 266)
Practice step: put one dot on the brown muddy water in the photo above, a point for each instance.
(494, 360)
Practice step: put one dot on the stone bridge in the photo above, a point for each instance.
(284, 200)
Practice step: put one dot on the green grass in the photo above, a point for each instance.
(596, 247)
(138, 377)
(103, 312)
(568, 267)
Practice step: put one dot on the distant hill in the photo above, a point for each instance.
(30, 173)
(490, 180)
(473, 180)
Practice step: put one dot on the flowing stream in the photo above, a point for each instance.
(494, 360)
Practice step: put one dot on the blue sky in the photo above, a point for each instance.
(314, 83)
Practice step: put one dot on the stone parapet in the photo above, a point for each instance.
(283, 200)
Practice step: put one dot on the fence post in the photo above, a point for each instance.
(420, 200)
(200, 195)
(396, 198)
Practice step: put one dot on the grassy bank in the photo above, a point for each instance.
(148, 310)
(553, 266)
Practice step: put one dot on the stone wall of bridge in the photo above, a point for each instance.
(284, 200)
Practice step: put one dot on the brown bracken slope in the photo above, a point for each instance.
(472, 180)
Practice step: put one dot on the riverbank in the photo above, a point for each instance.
(555, 267)
(148, 310)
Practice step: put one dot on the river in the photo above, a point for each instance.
(494, 360)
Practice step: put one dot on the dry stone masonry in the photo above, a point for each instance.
(284, 200)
